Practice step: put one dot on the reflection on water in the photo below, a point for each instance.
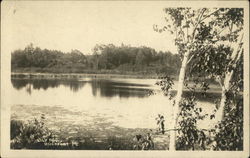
(44, 84)
(124, 102)
(103, 88)
(106, 88)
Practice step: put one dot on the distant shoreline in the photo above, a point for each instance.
(45, 75)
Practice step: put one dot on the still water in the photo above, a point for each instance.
(123, 102)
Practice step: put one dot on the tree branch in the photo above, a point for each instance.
(190, 59)
(205, 17)
(237, 52)
(220, 81)
(187, 27)
(198, 21)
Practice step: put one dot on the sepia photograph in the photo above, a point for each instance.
(149, 78)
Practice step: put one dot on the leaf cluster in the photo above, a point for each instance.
(166, 83)
(229, 132)
(29, 135)
(188, 133)
(196, 29)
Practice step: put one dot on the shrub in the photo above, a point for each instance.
(32, 134)
(15, 127)
(229, 132)
(189, 135)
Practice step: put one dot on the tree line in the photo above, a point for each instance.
(109, 57)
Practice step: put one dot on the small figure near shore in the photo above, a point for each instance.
(160, 122)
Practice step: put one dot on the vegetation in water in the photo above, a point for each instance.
(35, 134)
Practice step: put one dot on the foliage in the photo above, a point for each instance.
(105, 57)
(202, 27)
(35, 135)
(15, 127)
(209, 42)
(229, 135)
(143, 142)
(207, 36)
(188, 133)
(229, 132)
(166, 83)
(32, 134)
(215, 45)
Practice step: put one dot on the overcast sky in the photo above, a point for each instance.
(64, 25)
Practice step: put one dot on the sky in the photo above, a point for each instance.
(67, 25)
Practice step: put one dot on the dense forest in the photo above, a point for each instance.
(104, 59)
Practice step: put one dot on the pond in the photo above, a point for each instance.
(97, 103)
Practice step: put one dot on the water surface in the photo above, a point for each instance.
(91, 101)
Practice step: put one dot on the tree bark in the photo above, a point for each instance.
(220, 111)
(235, 57)
(172, 143)
(225, 89)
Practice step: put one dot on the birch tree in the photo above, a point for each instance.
(196, 33)
(223, 60)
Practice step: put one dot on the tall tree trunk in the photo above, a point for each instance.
(235, 57)
(225, 89)
(220, 111)
(174, 121)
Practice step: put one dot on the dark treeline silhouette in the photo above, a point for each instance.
(105, 58)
